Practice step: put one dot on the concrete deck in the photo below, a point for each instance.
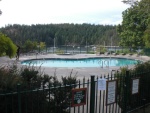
(81, 72)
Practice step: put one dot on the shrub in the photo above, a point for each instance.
(90, 52)
(39, 92)
(9, 78)
(146, 51)
(59, 51)
(101, 49)
(142, 71)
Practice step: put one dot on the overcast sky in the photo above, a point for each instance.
(61, 11)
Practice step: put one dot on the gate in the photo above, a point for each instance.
(132, 92)
(120, 93)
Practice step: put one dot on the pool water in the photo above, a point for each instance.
(86, 62)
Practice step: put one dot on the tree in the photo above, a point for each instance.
(131, 2)
(62, 33)
(7, 47)
(134, 24)
(42, 45)
(0, 11)
(30, 45)
(146, 4)
(147, 36)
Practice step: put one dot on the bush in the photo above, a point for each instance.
(39, 92)
(9, 78)
(146, 51)
(142, 71)
(59, 51)
(101, 49)
(142, 67)
(90, 52)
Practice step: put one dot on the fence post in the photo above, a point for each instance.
(46, 49)
(66, 49)
(126, 92)
(53, 50)
(92, 94)
(19, 98)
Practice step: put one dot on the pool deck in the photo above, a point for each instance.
(80, 72)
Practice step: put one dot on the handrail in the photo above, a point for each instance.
(107, 65)
(103, 62)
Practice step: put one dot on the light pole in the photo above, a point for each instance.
(110, 46)
(54, 42)
(73, 49)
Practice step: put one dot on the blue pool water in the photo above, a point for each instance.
(86, 62)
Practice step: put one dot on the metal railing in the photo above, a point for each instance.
(58, 99)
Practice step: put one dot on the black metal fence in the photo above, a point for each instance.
(78, 49)
(132, 91)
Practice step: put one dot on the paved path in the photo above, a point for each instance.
(81, 72)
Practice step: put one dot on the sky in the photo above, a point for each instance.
(28, 12)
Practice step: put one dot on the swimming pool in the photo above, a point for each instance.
(83, 62)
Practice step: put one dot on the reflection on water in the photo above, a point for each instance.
(87, 62)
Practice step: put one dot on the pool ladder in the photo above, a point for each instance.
(104, 62)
